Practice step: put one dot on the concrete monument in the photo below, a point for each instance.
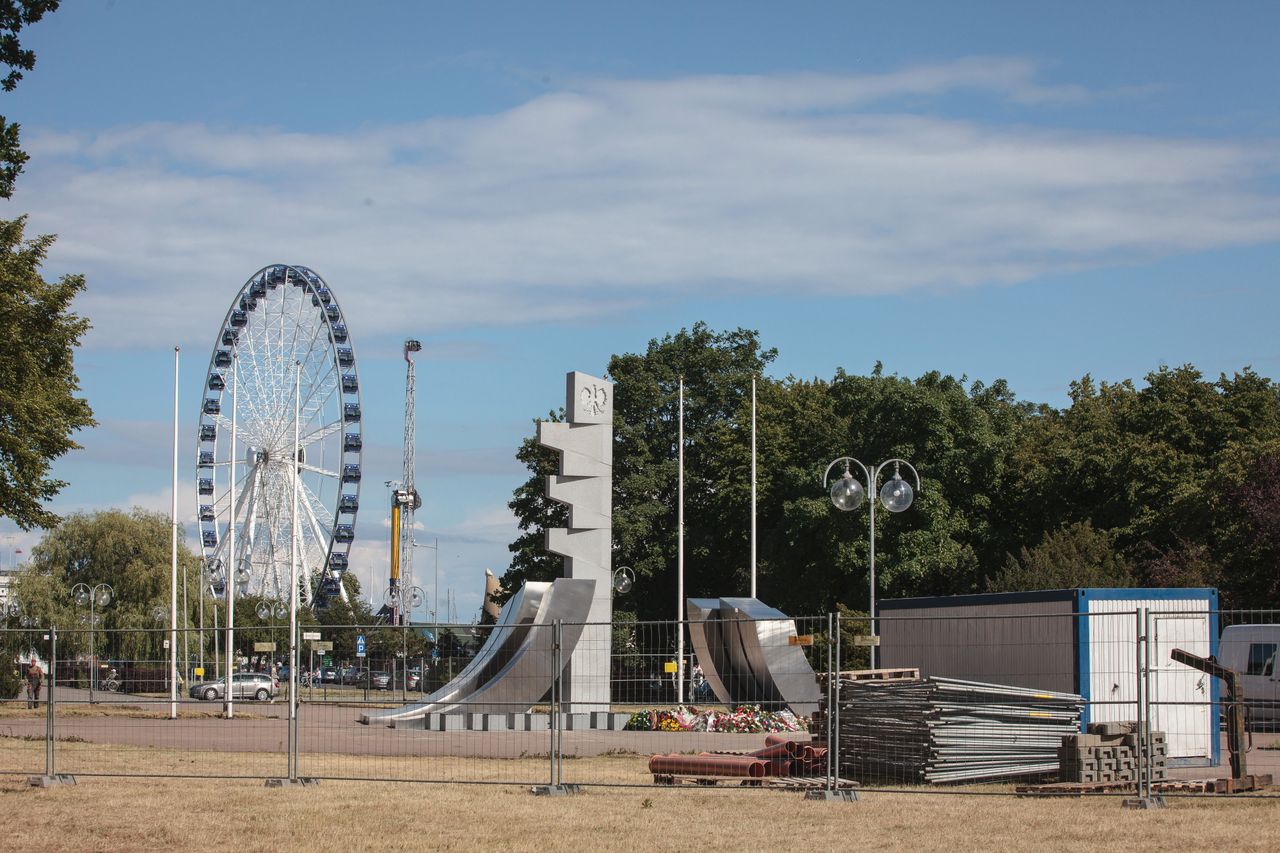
(585, 485)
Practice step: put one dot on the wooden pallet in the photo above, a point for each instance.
(905, 674)
(1213, 786)
(1163, 786)
(792, 783)
(1074, 789)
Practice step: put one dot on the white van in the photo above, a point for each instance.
(1251, 651)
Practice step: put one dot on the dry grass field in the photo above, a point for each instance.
(111, 813)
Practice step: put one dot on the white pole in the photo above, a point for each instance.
(680, 563)
(230, 569)
(753, 487)
(873, 480)
(293, 574)
(173, 557)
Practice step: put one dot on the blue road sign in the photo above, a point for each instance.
(360, 645)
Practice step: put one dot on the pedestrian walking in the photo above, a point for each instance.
(35, 677)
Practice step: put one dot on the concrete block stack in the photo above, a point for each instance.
(1109, 752)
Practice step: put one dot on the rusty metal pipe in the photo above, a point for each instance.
(775, 750)
(793, 746)
(708, 765)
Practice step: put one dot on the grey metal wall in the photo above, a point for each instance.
(1024, 644)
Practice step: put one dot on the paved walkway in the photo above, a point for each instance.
(331, 728)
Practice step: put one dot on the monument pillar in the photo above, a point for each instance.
(585, 485)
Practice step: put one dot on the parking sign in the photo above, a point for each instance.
(360, 645)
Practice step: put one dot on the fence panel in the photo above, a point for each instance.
(961, 699)
(662, 717)
(1185, 699)
(986, 694)
(377, 718)
(24, 722)
(114, 714)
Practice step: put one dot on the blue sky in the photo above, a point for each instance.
(1026, 191)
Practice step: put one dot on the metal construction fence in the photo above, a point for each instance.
(1103, 703)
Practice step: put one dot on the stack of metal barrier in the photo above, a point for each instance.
(945, 730)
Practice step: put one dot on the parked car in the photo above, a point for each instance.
(328, 674)
(1251, 651)
(355, 675)
(379, 680)
(244, 685)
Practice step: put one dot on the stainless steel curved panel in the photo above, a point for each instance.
(707, 636)
(748, 644)
(515, 666)
(782, 670)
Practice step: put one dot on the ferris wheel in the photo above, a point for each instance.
(283, 342)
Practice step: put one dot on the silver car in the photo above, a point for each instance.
(244, 685)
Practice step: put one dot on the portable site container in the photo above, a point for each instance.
(1081, 641)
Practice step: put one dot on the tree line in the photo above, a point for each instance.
(1171, 481)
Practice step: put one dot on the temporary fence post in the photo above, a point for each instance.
(1137, 701)
(556, 786)
(833, 749)
(559, 730)
(50, 760)
(830, 792)
(830, 721)
(551, 709)
(51, 777)
(1145, 799)
(1146, 692)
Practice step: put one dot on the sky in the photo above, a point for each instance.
(989, 189)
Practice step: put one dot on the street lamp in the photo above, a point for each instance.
(404, 600)
(847, 494)
(623, 580)
(96, 596)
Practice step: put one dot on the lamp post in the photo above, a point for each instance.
(847, 494)
(404, 599)
(96, 596)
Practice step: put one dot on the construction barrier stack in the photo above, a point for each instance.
(914, 730)
(1110, 752)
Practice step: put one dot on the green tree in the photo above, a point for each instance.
(130, 552)
(1157, 466)
(1075, 555)
(14, 15)
(957, 437)
(38, 407)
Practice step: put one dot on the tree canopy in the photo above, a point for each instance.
(14, 15)
(38, 408)
(130, 552)
(1170, 482)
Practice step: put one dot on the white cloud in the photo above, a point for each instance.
(613, 194)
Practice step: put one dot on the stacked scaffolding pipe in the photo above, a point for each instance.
(947, 730)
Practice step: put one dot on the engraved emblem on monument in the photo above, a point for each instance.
(594, 399)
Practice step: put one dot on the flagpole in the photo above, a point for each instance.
(293, 579)
(230, 568)
(680, 563)
(753, 487)
(173, 557)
